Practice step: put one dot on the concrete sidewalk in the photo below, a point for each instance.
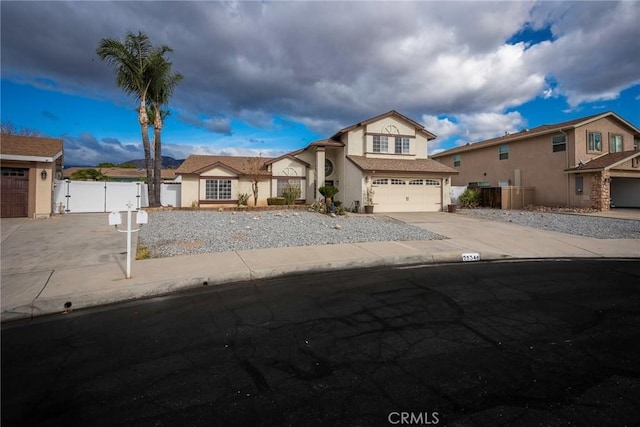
(77, 261)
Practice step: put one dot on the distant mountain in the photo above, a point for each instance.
(167, 163)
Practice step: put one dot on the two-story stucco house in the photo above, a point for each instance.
(590, 162)
(386, 154)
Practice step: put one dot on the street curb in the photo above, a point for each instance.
(137, 291)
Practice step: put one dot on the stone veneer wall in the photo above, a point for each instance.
(600, 191)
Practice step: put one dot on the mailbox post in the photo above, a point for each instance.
(115, 219)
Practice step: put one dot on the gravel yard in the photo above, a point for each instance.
(173, 233)
(581, 225)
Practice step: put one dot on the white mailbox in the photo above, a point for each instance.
(142, 217)
(115, 218)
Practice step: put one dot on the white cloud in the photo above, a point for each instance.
(471, 127)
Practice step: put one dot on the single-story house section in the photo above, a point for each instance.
(385, 155)
(29, 165)
(219, 180)
(123, 174)
(590, 162)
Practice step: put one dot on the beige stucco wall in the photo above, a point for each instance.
(391, 126)
(189, 190)
(43, 194)
(606, 126)
(352, 185)
(244, 185)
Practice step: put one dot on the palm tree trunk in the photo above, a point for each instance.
(143, 118)
(157, 148)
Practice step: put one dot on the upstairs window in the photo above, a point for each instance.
(380, 144)
(456, 160)
(559, 143)
(594, 141)
(402, 145)
(503, 152)
(615, 143)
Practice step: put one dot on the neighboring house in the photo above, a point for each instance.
(591, 162)
(386, 154)
(123, 174)
(29, 166)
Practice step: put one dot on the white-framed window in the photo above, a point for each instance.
(218, 189)
(396, 181)
(503, 152)
(615, 143)
(594, 141)
(416, 182)
(559, 143)
(456, 160)
(286, 183)
(380, 181)
(380, 144)
(432, 182)
(402, 145)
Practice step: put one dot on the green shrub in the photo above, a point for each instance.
(276, 201)
(338, 203)
(470, 198)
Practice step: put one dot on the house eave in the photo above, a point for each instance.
(22, 158)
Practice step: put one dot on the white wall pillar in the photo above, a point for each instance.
(320, 156)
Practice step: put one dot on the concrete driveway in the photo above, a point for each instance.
(32, 249)
(63, 241)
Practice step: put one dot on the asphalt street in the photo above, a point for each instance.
(511, 343)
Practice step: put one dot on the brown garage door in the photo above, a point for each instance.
(14, 198)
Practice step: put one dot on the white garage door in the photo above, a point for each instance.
(394, 194)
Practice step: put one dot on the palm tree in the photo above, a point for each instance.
(130, 60)
(163, 83)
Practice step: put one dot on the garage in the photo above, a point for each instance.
(625, 192)
(28, 165)
(14, 199)
(412, 194)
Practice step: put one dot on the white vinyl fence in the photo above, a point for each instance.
(91, 196)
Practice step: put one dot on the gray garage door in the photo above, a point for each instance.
(625, 192)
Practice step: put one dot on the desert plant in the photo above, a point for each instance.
(243, 199)
(328, 191)
(291, 193)
(470, 198)
(368, 196)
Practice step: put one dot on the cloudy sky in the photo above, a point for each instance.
(270, 77)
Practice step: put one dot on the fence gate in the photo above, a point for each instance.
(91, 196)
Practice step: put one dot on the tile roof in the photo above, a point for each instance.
(606, 161)
(123, 172)
(197, 163)
(528, 133)
(401, 165)
(18, 145)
